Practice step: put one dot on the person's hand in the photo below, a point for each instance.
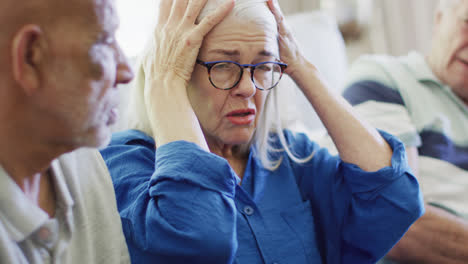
(177, 38)
(289, 50)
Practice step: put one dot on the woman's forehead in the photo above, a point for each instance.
(234, 35)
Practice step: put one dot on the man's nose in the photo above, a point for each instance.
(124, 70)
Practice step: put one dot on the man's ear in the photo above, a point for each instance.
(27, 53)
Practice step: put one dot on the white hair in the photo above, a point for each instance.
(245, 10)
(269, 127)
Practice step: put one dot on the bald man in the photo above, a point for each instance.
(59, 72)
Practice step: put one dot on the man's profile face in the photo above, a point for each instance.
(450, 48)
(84, 69)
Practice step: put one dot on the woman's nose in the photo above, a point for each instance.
(245, 88)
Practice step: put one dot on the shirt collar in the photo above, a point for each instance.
(64, 197)
(418, 66)
(421, 70)
(19, 214)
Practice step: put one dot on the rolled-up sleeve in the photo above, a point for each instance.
(179, 209)
(383, 206)
(363, 214)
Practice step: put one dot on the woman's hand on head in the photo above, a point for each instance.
(168, 65)
(288, 47)
(357, 142)
(177, 38)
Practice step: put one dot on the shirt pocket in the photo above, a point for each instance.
(300, 221)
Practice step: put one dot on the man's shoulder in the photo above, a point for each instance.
(371, 78)
(387, 79)
(94, 212)
(83, 161)
(86, 175)
(383, 69)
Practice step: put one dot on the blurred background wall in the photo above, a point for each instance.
(369, 26)
(332, 33)
(376, 26)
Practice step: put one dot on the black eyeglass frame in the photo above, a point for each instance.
(210, 64)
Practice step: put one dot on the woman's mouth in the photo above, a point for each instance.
(242, 116)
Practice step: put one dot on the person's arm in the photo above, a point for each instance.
(168, 68)
(361, 214)
(356, 141)
(371, 199)
(437, 237)
(180, 210)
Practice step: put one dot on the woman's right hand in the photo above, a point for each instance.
(168, 66)
(177, 38)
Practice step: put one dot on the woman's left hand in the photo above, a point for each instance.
(288, 47)
(356, 141)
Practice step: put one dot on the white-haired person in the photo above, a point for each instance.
(207, 175)
(423, 99)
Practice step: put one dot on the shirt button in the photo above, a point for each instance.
(44, 234)
(248, 210)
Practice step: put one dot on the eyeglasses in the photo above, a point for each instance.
(225, 75)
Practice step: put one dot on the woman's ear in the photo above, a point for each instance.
(27, 53)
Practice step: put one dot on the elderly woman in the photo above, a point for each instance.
(208, 175)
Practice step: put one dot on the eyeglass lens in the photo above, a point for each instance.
(225, 75)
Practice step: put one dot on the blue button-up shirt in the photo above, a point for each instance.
(181, 204)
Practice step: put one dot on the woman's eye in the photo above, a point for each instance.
(264, 67)
(223, 66)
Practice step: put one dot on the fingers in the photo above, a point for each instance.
(164, 11)
(207, 24)
(178, 10)
(193, 11)
(278, 14)
(275, 9)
